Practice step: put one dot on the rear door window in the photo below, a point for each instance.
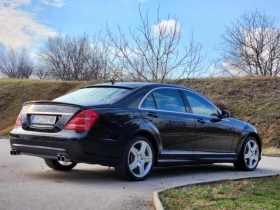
(169, 100)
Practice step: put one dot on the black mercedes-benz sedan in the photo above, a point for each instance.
(133, 127)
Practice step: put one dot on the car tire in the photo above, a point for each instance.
(249, 155)
(137, 160)
(56, 165)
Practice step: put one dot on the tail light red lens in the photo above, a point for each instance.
(19, 120)
(82, 121)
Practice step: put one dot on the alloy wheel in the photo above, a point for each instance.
(251, 154)
(140, 159)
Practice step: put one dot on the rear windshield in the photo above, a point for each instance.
(94, 96)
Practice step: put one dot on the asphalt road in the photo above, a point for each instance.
(27, 183)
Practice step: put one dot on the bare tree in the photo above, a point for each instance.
(75, 57)
(155, 52)
(41, 71)
(251, 46)
(100, 59)
(16, 63)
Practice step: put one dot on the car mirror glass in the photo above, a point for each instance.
(225, 114)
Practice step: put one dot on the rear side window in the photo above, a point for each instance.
(169, 100)
(148, 103)
(94, 95)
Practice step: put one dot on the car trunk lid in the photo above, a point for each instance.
(49, 116)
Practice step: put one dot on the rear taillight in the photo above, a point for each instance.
(82, 121)
(19, 120)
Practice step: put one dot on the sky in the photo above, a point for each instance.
(27, 23)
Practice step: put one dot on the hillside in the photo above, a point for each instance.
(254, 100)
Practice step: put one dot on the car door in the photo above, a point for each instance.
(166, 110)
(214, 134)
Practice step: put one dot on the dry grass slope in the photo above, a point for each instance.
(13, 93)
(254, 100)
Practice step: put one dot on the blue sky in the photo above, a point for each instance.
(28, 22)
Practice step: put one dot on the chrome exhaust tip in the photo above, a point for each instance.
(59, 158)
(14, 152)
(63, 158)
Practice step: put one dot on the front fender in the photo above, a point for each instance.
(248, 131)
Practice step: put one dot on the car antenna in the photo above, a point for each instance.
(113, 82)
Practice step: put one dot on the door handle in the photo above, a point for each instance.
(200, 121)
(152, 114)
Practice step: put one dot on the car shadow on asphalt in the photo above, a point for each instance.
(99, 175)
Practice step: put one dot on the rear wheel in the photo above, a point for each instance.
(59, 165)
(137, 160)
(249, 155)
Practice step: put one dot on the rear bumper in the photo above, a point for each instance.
(69, 143)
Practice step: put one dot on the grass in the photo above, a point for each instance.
(250, 194)
(272, 151)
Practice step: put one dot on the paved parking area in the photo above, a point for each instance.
(27, 183)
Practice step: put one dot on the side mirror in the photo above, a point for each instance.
(225, 114)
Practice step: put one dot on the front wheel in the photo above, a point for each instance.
(249, 155)
(59, 165)
(137, 160)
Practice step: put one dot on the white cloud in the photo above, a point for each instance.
(166, 27)
(14, 3)
(56, 3)
(18, 28)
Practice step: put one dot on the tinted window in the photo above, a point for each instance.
(148, 103)
(94, 95)
(169, 100)
(199, 105)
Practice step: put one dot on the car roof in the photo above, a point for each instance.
(133, 85)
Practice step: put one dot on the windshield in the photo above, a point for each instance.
(94, 95)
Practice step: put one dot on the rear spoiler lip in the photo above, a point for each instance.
(46, 102)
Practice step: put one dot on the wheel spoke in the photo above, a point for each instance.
(254, 147)
(143, 148)
(251, 162)
(141, 168)
(133, 165)
(134, 151)
(147, 159)
(249, 146)
(255, 157)
(247, 155)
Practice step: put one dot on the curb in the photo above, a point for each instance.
(158, 205)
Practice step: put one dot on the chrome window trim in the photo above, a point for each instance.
(168, 161)
(213, 153)
(181, 113)
(175, 152)
(140, 104)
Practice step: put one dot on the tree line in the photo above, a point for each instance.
(249, 47)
